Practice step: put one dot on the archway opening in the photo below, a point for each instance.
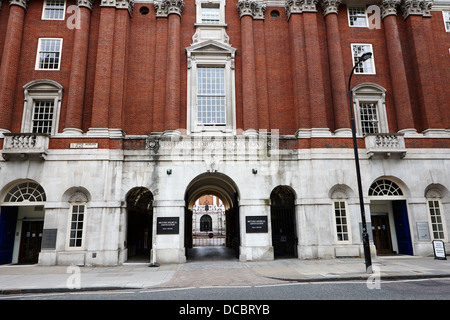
(139, 224)
(21, 223)
(389, 218)
(282, 211)
(212, 218)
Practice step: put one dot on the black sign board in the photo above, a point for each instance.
(167, 225)
(49, 238)
(439, 250)
(256, 224)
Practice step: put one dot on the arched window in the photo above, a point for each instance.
(385, 187)
(370, 109)
(436, 216)
(26, 191)
(205, 223)
(41, 107)
(77, 225)
(341, 216)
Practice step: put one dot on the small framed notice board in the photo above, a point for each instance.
(439, 250)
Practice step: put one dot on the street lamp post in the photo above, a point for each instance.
(365, 234)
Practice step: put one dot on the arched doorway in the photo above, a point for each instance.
(282, 211)
(389, 217)
(22, 222)
(224, 231)
(139, 224)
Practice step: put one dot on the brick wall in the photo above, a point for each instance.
(144, 72)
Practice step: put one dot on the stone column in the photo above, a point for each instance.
(124, 9)
(337, 72)
(159, 90)
(74, 115)
(405, 120)
(102, 83)
(414, 13)
(173, 93)
(299, 67)
(246, 9)
(10, 61)
(315, 77)
(168, 52)
(262, 97)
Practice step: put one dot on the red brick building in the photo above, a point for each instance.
(105, 103)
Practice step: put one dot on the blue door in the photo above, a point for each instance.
(402, 227)
(8, 219)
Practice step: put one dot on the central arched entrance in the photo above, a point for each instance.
(221, 229)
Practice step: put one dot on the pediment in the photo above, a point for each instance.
(210, 46)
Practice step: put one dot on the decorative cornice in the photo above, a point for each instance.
(330, 6)
(21, 3)
(416, 7)
(86, 3)
(389, 7)
(118, 4)
(165, 7)
(125, 4)
(300, 6)
(252, 8)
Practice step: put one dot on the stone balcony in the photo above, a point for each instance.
(385, 145)
(24, 146)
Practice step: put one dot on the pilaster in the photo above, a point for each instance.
(416, 14)
(247, 9)
(10, 61)
(405, 120)
(338, 84)
(74, 115)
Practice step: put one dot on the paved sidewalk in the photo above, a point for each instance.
(230, 272)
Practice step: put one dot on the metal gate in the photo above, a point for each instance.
(284, 235)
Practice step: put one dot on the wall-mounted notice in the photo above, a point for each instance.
(84, 145)
(256, 224)
(167, 225)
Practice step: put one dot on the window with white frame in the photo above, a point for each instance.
(436, 215)
(357, 16)
(446, 15)
(54, 10)
(211, 88)
(368, 117)
(211, 107)
(77, 222)
(341, 219)
(49, 54)
(370, 109)
(41, 107)
(366, 67)
(43, 113)
(210, 13)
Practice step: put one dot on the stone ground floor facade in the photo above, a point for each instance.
(104, 206)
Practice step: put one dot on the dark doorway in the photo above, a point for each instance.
(30, 243)
(381, 233)
(282, 211)
(402, 227)
(139, 225)
(8, 220)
